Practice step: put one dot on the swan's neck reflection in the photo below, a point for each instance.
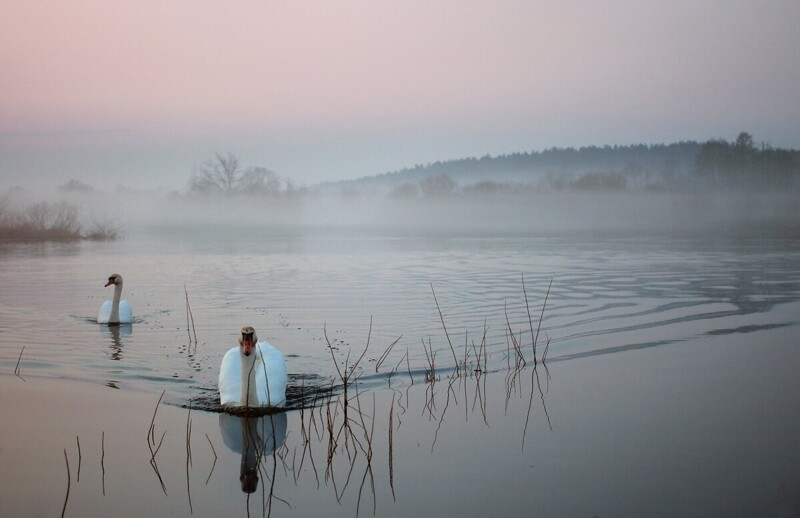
(253, 438)
(116, 334)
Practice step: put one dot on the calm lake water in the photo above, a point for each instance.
(670, 386)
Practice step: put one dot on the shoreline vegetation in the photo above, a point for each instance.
(58, 221)
(736, 188)
(684, 167)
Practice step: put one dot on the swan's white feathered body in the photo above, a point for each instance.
(125, 312)
(115, 311)
(268, 376)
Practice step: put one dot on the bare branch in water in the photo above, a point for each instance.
(189, 316)
(369, 335)
(514, 341)
(69, 484)
(445, 329)
(215, 458)
(330, 348)
(78, 478)
(150, 431)
(189, 455)
(103, 460)
(386, 353)
(16, 369)
(541, 316)
(530, 321)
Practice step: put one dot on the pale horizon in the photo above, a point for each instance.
(137, 95)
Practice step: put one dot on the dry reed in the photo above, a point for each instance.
(214, 451)
(189, 455)
(16, 368)
(69, 484)
(103, 460)
(78, 477)
(441, 317)
(189, 316)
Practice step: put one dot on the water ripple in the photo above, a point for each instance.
(606, 296)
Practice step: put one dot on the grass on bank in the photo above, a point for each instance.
(45, 221)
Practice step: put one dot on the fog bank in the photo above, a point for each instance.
(729, 213)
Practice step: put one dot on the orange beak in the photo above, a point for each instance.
(247, 346)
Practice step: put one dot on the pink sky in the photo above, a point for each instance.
(137, 93)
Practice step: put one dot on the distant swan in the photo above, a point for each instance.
(252, 374)
(117, 311)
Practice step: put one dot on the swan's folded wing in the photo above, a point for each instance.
(105, 312)
(230, 378)
(125, 312)
(274, 383)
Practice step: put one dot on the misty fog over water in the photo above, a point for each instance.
(669, 370)
(722, 214)
(671, 320)
(715, 188)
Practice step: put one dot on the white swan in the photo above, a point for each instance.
(252, 374)
(117, 311)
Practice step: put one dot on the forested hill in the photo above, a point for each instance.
(683, 165)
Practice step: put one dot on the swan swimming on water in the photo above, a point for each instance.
(252, 374)
(115, 312)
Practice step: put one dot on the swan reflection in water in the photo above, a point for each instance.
(116, 335)
(253, 438)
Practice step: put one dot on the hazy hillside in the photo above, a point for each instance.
(678, 166)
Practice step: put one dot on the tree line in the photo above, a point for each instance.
(742, 163)
(681, 166)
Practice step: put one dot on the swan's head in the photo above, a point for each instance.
(247, 340)
(115, 279)
(249, 480)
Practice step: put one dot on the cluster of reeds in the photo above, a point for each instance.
(475, 365)
(475, 355)
(349, 436)
(45, 221)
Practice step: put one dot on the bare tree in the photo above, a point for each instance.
(260, 181)
(220, 174)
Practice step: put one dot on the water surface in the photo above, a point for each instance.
(670, 368)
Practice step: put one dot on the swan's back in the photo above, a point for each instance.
(270, 386)
(125, 312)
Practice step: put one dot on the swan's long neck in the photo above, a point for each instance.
(249, 393)
(114, 317)
(251, 448)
